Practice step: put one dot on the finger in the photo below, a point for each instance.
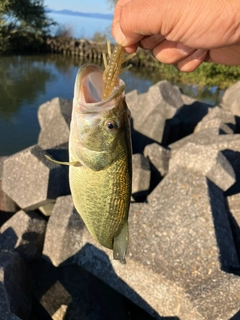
(146, 43)
(131, 21)
(193, 61)
(150, 42)
(116, 28)
(169, 52)
(228, 55)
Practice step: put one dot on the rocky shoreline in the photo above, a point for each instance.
(184, 220)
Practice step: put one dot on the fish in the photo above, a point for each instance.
(100, 153)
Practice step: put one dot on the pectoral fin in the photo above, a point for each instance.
(73, 163)
(120, 244)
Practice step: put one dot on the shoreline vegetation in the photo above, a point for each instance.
(24, 29)
(207, 75)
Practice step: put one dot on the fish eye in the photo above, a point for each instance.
(111, 125)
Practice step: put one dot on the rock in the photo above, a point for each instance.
(217, 118)
(7, 206)
(141, 176)
(233, 202)
(63, 234)
(207, 161)
(56, 297)
(212, 137)
(47, 208)
(187, 100)
(234, 206)
(60, 313)
(231, 98)
(54, 118)
(228, 144)
(31, 180)
(24, 232)
(181, 248)
(74, 293)
(15, 287)
(158, 156)
(152, 109)
(131, 98)
(60, 153)
(188, 117)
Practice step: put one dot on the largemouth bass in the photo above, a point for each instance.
(100, 153)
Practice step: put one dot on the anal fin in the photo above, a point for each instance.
(120, 244)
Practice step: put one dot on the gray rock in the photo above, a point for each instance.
(151, 110)
(31, 180)
(54, 298)
(54, 118)
(189, 116)
(47, 208)
(15, 287)
(131, 98)
(24, 232)
(74, 293)
(212, 137)
(207, 161)
(187, 99)
(141, 176)
(231, 98)
(158, 156)
(60, 313)
(233, 202)
(60, 153)
(228, 144)
(181, 248)
(6, 204)
(217, 118)
(168, 96)
(214, 123)
(63, 234)
(234, 206)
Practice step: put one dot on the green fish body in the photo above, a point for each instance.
(100, 154)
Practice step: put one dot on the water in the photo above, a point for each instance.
(26, 82)
(82, 27)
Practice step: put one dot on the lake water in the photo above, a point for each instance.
(26, 82)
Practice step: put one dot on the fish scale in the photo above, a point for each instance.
(103, 199)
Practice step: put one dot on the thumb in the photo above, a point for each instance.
(123, 24)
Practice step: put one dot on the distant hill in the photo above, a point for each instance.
(83, 14)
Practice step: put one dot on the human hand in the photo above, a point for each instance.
(180, 32)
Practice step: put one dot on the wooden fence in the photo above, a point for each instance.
(92, 51)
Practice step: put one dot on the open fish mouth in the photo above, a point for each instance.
(89, 89)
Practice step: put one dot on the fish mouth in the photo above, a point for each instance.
(89, 87)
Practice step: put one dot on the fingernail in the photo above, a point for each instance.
(119, 36)
(184, 50)
(199, 53)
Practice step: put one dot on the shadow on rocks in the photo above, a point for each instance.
(8, 239)
(139, 140)
(84, 295)
(227, 250)
(236, 316)
(234, 158)
(235, 228)
(184, 121)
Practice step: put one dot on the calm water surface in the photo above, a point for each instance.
(26, 82)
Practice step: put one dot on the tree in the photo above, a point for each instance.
(23, 24)
(112, 3)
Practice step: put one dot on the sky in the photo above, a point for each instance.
(94, 6)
